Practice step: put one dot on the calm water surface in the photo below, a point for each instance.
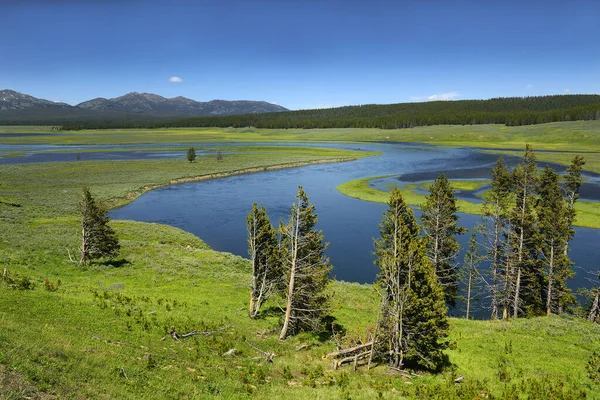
(216, 210)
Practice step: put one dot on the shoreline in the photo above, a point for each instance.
(118, 202)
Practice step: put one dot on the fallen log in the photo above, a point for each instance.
(350, 350)
(354, 358)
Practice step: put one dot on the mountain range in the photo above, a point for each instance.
(15, 106)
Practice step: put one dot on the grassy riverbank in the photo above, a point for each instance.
(588, 213)
(564, 138)
(581, 136)
(102, 333)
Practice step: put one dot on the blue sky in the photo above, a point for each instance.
(300, 54)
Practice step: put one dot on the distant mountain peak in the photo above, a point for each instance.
(13, 100)
(153, 104)
(133, 103)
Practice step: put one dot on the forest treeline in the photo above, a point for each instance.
(510, 111)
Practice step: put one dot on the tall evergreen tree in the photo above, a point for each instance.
(262, 248)
(412, 322)
(496, 209)
(191, 154)
(439, 221)
(573, 182)
(524, 269)
(470, 273)
(554, 225)
(97, 238)
(306, 268)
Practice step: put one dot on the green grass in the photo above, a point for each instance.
(588, 213)
(567, 137)
(360, 189)
(456, 184)
(592, 160)
(100, 335)
(581, 136)
(26, 129)
(54, 187)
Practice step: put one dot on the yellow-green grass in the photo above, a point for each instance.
(100, 335)
(360, 189)
(456, 184)
(568, 136)
(26, 129)
(36, 184)
(588, 213)
(592, 159)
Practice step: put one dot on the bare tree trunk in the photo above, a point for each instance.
(495, 274)
(550, 278)
(507, 274)
(521, 244)
(469, 286)
(293, 266)
(517, 288)
(437, 240)
(383, 306)
(594, 310)
(254, 283)
(84, 249)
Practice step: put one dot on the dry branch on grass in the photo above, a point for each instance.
(350, 354)
(266, 354)
(177, 336)
(350, 350)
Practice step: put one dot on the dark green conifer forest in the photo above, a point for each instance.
(510, 111)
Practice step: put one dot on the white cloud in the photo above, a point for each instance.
(529, 86)
(437, 97)
(175, 79)
(567, 90)
(273, 102)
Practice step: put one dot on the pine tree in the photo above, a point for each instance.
(306, 268)
(439, 221)
(97, 238)
(412, 320)
(573, 180)
(496, 208)
(554, 225)
(262, 248)
(191, 154)
(524, 269)
(470, 273)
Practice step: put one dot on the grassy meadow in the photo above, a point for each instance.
(588, 213)
(581, 136)
(103, 331)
